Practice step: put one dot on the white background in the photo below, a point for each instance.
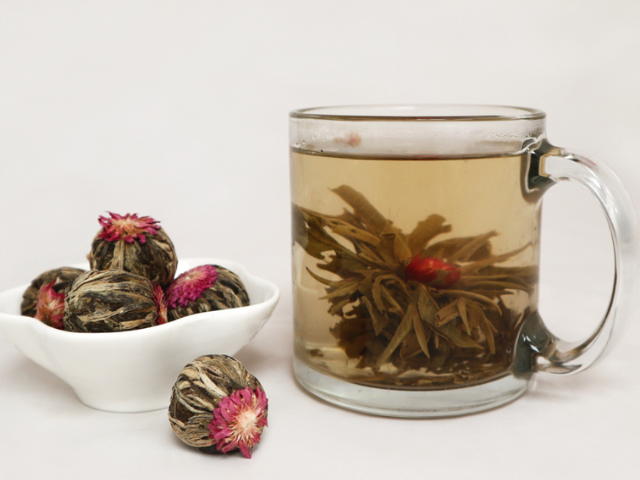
(178, 110)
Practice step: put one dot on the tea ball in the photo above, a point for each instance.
(218, 406)
(113, 301)
(203, 289)
(134, 244)
(44, 298)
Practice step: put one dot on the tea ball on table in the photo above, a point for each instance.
(217, 405)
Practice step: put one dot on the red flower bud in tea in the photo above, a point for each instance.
(134, 244)
(431, 271)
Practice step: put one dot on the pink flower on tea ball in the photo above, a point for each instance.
(134, 244)
(190, 285)
(161, 303)
(50, 307)
(205, 288)
(239, 420)
(59, 279)
(128, 227)
(217, 406)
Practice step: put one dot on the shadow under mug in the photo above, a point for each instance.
(416, 247)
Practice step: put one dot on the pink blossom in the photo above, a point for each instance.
(239, 420)
(161, 303)
(50, 308)
(128, 227)
(190, 285)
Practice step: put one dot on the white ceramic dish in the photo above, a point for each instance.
(134, 371)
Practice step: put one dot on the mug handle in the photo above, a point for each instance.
(550, 165)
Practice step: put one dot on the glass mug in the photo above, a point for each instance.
(416, 247)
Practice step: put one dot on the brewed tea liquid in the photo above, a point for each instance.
(408, 273)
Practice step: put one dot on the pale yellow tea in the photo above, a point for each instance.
(412, 273)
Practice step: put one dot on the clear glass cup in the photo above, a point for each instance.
(416, 247)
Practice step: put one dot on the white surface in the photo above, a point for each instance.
(179, 110)
(132, 371)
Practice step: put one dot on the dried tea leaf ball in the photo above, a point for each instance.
(217, 405)
(44, 298)
(113, 301)
(134, 244)
(203, 289)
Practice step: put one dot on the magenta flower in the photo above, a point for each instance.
(50, 308)
(128, 227)
(161, 303)
(190, 285)
(239, 420)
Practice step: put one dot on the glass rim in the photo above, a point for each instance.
(331, 113)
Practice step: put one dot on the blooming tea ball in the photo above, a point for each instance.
(113, 301)
(203, 289)
(44, 298)
(217, 405)
(61, 278)
(134, 244)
